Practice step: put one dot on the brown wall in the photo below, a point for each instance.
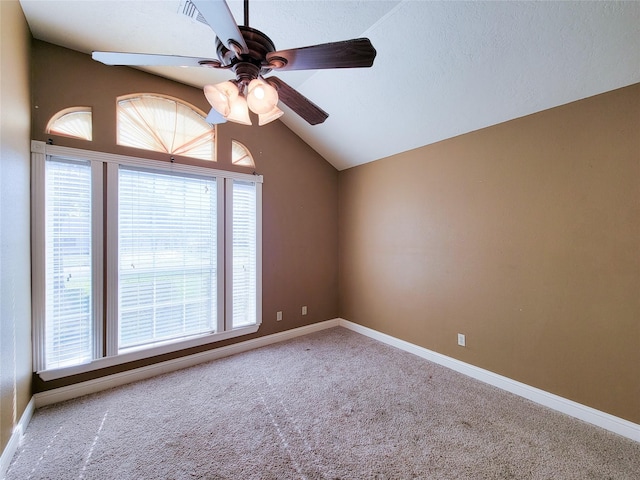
(15, 261)
(524, 236)
(300, 190)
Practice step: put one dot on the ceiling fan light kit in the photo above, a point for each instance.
(250, 54)
(229, 100)
(221, 96)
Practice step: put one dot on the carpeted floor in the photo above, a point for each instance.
(330, 405)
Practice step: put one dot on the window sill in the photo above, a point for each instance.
(142, 353)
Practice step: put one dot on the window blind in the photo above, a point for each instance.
(167, 256)
(164, 125)
(75, 123)
(244, 253)
(68, 324)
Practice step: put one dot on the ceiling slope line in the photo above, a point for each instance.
(366, 33)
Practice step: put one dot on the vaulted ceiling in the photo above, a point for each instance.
(443, 68)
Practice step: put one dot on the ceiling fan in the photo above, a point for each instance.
(251, 55)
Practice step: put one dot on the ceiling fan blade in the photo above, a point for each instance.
(215, 118)
(297, 102)
(147, 59)
(354, 53)
(221, 21)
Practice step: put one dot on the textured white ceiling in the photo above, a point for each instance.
(443, 67)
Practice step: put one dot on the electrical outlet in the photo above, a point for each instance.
(278, 316)
(462, 341)
(304, 310)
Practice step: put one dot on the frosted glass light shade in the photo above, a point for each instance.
(262, 97)
(268, 117)
(239, 112)
(221, 96)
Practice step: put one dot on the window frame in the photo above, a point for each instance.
(105, 244)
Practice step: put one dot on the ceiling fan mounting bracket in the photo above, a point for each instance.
(235, 47)
(212, 64)
(276, 61)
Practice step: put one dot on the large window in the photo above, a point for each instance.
(130, 255)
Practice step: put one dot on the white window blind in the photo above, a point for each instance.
(244, 253)
(167, 256)
(68, 244)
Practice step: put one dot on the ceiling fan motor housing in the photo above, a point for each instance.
(248, 66)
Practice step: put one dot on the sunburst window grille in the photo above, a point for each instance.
(240, 155)
(164, 124)
(72, 122)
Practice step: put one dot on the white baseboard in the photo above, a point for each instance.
(577, 410)
(16, 438)
(103, 383)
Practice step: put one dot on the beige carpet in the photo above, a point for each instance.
(331, 405)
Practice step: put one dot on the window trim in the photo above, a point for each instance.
(109, 271)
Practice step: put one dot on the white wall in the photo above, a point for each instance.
(15, 263)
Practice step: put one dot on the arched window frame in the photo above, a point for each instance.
(146, 132)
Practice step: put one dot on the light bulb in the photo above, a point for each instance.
(261, 96)
(259, 92)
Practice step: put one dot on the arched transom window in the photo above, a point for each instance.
(164, 124)
(72, 122)
(240, 155)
